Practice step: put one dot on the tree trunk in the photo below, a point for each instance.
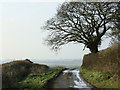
(94, 49)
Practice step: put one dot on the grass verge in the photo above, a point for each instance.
(100, 79)
(39, 80)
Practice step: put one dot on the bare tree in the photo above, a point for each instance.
(115, 33)
(81, 22)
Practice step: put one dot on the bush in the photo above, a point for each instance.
(18, 70)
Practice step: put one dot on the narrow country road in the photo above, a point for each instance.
(69, 79)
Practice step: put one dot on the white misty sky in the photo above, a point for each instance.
(21, 36)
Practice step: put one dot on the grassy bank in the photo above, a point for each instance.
(39, 80)
(100, 79)
(16, 71)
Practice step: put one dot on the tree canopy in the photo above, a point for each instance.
(115, 33)
(81, 22)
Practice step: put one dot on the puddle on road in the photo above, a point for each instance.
(70, 79)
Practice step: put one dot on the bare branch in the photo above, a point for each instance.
(81, 22)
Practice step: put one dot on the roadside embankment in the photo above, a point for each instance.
(24, 74)
(16, 71)
(102, 69)
(39, 81)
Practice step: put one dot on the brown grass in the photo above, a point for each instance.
(104, 61)
(18, 70)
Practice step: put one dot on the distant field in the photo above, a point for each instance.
(53, 63)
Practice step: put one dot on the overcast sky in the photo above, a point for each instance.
(21, 36)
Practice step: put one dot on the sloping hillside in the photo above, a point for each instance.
(103, 61)
(18, 70)
(102, 67)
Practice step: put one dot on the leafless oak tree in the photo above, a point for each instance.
(115, 33)
(81, 22)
